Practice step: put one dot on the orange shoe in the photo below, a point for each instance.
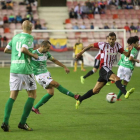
(83, 70)
(112, 82)
(119, 99)
(74, 70)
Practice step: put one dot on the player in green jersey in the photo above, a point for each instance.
(21, 74)
(126, 64)
(43, 76)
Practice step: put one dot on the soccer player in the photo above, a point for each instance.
(108, 56)
(126, 64)
(43, 77)
(78, 47)
(95, 68)
(21, 74)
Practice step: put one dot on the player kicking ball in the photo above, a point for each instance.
(126, 64)
(108, 57)
(43, 76)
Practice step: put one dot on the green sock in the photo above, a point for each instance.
(8, 109)
(120, 93)
(43, 100)
(27, 109)
(65, 91)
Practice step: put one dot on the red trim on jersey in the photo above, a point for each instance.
(98, 56)
(121, 50)
(96, 45)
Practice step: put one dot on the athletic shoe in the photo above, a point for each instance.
(5, 127)
(25, 127)
(35, 110)
(83, 70)
(82, 79)
(74, 70)
(77, 96)
(77, 104)
(119, 99)
(129, 92)
(107, 84)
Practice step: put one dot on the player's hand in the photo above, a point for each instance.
(78, 55)
(35, 56)
(67, 70)
(138, 61)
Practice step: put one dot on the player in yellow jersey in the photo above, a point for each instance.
(78, 47)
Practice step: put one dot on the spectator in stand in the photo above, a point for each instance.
(113, 2)
(1, 23)
(78, 11)
(106, 26)
(38, 25)
(102, 6)
(72, 14)
(36, 3)
(75, 27)
(25, 18)
(29, 17)
(29, 9)
(0, 40)
(18, 18)
(83, 26)
(85, 10)
(127, 28)
(89, 5)
(133, 28)
(3, 4)
(129, 4)
(9, 4)
(11, 18)
(114, 26)
(135, 2)
(44, 26)
(96, 9)
(138, 27)
(5, 19)
(5, 40)
(122, 3)
(91, 26)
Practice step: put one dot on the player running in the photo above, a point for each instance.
(108, 56)
(126, 64)
(21, 74)
(43, 77)
(95, 68)
(78, 47)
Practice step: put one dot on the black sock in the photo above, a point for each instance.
(86, 95)
(121, 87)
(88, 74)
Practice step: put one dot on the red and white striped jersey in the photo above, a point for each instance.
(108, 53)
(98, 55)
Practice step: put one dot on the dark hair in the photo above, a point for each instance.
(107, 36)
(133, 39)
(136, 38)
(45, 43)
(112, 34)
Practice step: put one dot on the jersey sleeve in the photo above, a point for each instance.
(121, 49)
(133, 53)
(28, 43)
(99, 45)
(9, 45)
(49, 56)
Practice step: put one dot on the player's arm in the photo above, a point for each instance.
(6, 50)
(27, 52)
(59, 64)
(85, 49)
(127, 54)
(131, 58)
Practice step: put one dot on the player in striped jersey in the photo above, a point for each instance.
(95, 68)
(108, 56)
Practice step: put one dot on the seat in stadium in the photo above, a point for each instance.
(97, 16)
(92, 21)
(70, 35)
(114, 12)
(73, 21)
(68, 26)
(18, 26)
(120, 12)
(109, 16)
(77, 34)
(45, 35)
(90, 16)
(85, 44)
(83, 35)
(9, 35)
(103, 16)
(86, 20)
(108, 12)
(12, 26)
(90, 35)
(80, 21)
(121, 16)
(1, 30)
(96, 35)
(22, 8)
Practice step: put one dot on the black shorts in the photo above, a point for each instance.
(80, 58)
(96, 63)
(104, 74)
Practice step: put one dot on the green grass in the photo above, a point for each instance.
(96, 119)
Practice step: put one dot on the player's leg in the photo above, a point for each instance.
(82, 64)
(30, 86)
(45, 98)
(75, 64)
(95, 90)
(63, 90)
(8, 109)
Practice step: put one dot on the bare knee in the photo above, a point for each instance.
(96, 91)
(32, 94)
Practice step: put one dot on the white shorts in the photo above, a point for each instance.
(22, 81)
(124, 73)
(44, 79)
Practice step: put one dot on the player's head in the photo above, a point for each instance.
(112, 39)
(107, 37)
(79, 39)
(27, 26)
(136, 41)
(45, 46)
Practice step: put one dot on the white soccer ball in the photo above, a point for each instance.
(111, 97)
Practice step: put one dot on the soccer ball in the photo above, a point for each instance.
(111, 97)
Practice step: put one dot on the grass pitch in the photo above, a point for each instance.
(96, 119)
